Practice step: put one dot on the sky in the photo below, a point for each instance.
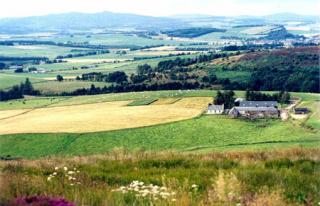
(19, 8)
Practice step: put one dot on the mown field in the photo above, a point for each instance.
(100, 116)
(276, 177)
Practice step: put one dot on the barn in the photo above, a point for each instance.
(258, 103)
(254, 112)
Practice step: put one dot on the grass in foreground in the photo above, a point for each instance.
(277, 177)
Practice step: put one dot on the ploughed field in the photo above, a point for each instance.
(98, 116)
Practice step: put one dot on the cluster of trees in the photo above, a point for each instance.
(19, 60)
(115, 77)
(282, 97)
(17, 92)
(252, 47)
(226, 97)
(192, 32)
(132, 88)
(2, 65)
(285, 78)
(179, 62)
(161, 56)
(82, 54)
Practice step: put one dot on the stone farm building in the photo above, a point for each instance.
(254, 112)
(215, 109)
(258, 104)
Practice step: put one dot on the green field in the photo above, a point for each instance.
(35, 51)
(110, 39)
(8, 78)
(55, 87)
(209, 133)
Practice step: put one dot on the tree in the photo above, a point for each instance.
(144, 69)
(118, 77)
(59, 78)
(18, 70)
(27, 88)
(226, 98)
(2, 65)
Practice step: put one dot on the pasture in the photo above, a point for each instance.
(35, 51)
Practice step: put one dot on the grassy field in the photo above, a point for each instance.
(9, 80)
(286, 178)
(55, 87)
(35, 50)
(206, 133)
(110, 39)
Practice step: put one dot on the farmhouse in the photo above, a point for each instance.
(258, 103)
(254, 112)
(215, 109)
(301, 111)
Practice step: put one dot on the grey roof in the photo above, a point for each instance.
(258, 104)
(256, 109)
(216, 107)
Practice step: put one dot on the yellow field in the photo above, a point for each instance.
(9, 113)
(99, 116)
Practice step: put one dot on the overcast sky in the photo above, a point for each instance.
(15, 8)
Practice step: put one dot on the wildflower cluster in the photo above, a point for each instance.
(65, 174)
(140, 190)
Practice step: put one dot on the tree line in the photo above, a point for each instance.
(18, 91)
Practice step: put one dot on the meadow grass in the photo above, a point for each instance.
(9, 80)
(276, 177)
(140, 102)
(206, 133)
(55, 87)
(36, 50)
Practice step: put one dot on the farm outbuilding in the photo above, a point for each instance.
(215, 109)
(258, 104)
(301, 110)
(254, 112)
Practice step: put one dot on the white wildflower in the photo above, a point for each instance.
(194, 186)
(65, 168)
(173, 200)
(71, 172)
(56, 168)
(54, 173)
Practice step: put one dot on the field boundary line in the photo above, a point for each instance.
(244, 144)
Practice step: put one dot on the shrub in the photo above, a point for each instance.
(40, 201)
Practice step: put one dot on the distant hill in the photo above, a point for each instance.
(109, 20)
(83, 21)
(285, 17)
